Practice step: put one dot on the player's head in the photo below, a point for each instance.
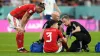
(66, 20)
(54, 24)
(55, 15)
(40, 7)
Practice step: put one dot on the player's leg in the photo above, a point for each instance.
(86, 41)
(85, 47)
(20, 39)
(60, 47)
(81, 37)
(75, 46)
(85, 38)
(19, 36)
(64, 45)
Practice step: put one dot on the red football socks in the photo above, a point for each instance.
(20, 40)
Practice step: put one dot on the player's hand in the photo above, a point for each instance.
(20, 30)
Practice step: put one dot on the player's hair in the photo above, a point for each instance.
(42, 5)
(52, 22)
(66, 17)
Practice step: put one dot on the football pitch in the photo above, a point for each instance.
(8, 45)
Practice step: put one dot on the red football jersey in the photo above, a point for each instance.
(21, 10)
(50, 39)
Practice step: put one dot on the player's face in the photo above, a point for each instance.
(66, 22)
(39, 10)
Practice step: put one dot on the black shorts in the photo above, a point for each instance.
(74, 46)
(81, 41)
(86, 38)
(77, 46)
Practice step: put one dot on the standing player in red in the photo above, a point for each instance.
(50, 36)
(18, 19)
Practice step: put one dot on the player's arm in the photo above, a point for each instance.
(61, 29)
(68, 32)
(43, 28)
(57, 8)
(64, 40)
(41, 34)
(25, 19)
(77, 29)
(60, 26)
(61, 36)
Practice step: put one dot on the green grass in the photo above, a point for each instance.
(8, 45)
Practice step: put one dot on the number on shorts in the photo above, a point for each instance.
(49, 34)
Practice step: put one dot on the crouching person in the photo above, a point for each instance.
(50, 37)
(82, 36)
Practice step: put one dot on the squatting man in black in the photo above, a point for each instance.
(82, 36)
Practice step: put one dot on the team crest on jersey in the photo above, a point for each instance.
(30, 11)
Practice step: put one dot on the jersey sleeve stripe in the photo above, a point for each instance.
(45, 25)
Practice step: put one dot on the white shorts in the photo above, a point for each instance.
(14, 22)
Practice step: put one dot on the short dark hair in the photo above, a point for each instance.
(52, 22)
(66, 17)
(42, 5)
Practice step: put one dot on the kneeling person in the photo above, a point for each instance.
(50, 36)
(75, 29)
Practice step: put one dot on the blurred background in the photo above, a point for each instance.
(86, 10)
